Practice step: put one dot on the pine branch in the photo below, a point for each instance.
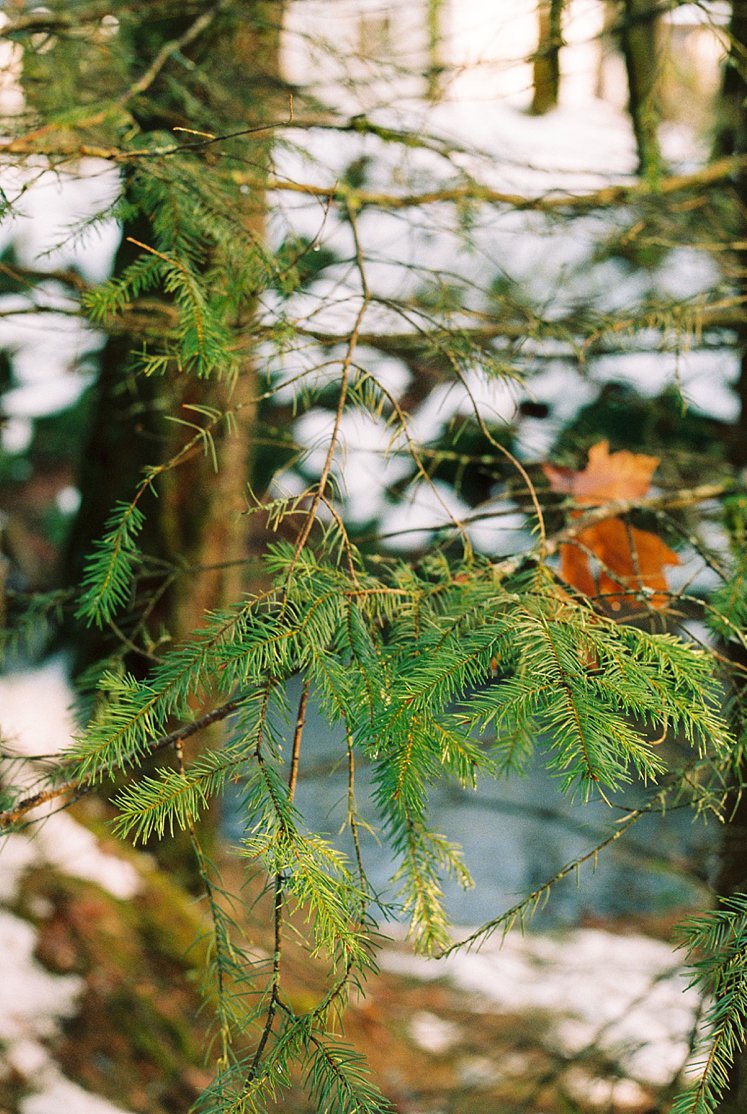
(719, 939)
(76, 787)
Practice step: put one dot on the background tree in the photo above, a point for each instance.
(547, 60)
(448, 661)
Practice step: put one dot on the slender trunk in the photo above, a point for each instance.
(732, 140)
(639, 41)
(195, 524)
(547, 58)
(435, 68)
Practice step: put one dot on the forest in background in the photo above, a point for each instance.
(390, 396)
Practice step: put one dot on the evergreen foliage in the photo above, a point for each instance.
(716, 943)
(444, 664)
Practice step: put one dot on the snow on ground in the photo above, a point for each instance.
(623, 995)
(35, 719)
(58, 840)
(59, 1094)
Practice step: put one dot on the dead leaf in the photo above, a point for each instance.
(607, 476)
(628, 561)
(612, 561)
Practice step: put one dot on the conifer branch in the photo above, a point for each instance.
(76, 787)
(672, 500)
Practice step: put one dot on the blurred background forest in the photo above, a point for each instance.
(531, 219)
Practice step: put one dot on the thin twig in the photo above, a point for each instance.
(684, 497)
(556, 201)
(347, 362)
(297, 734)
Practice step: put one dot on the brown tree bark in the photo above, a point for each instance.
(196, 537)
(546, 67)
(195, 525)
(731, 874)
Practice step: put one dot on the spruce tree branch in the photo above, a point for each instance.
(684, 497)
(29, 144)
(279, 888)
(556, 201)
(149, 318)
(297, 734)
(76, 787)
(664, 501)
(278, 891)
(203, 870)
(726, 313)
(31, 276)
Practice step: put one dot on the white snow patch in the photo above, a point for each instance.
(74, 850)
(425, 508)
(59, 1094)
(36, 716)
(11, 67)
(432, 1033)
(16, 435)
(36, 719)
(31, 999)
(27, 1057)
(626, 995)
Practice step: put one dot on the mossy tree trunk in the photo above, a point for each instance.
(639, 41)
(731, 876)
(196, 536)
(546, 67)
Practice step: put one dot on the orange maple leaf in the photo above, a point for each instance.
(626, 560)
(606, 477)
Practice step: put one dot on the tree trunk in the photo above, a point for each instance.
(195, 526)
(639, 42)
(195, 537)
(731, 875)
(547, 58)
